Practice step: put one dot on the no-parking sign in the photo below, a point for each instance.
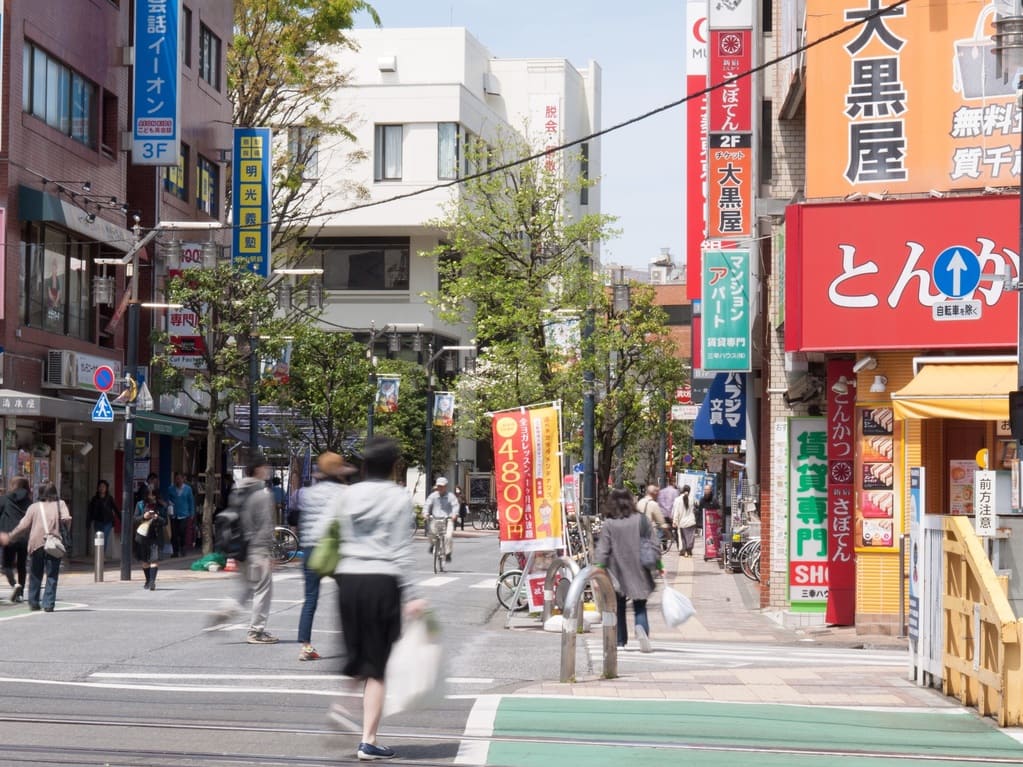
(103, 378)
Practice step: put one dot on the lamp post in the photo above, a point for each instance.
(620, 303)
(432, 358)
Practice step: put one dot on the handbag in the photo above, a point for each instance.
(53, 543)
(414, 677)
(323, 561)
(649, 550)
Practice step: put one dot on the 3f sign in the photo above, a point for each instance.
(156, 150)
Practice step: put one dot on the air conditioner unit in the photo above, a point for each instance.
(658, 275)
(59, 372)
(491, 85)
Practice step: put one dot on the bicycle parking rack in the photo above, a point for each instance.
(572, 620)
(557, 565)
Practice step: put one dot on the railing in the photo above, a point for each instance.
(982, 661)
(558, 564)
(572, 621)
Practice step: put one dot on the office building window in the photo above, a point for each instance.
(361, 263)
(209, 56)
(54, 290)
(207, 186)
(186, 35)
(766, 141)
(304, 150)
(387, 153)
(175, 177)
(448, 150)
(584, 172)
(58, 95)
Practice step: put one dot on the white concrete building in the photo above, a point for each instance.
(417, 95)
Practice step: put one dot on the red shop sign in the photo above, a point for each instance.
(866, 275)
(731, 105)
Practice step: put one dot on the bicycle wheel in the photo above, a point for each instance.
(285, 545)
(477, 520)
(508, 587)
(492, 520)
(509, 561)
(438, 557)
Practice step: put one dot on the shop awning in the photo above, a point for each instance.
(969, 392)
(157, 423)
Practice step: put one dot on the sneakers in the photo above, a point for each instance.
(447, 558)
(16, 594)
(342, 719)
(644, 640)
(308, 653)
(261, 637)
(370, 751)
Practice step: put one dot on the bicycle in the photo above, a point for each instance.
(438, 541)
(284, 547)
(749, 559)
(511, 560)
(508, 589)
(485, 518)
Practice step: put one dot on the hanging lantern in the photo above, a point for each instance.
(102, 291)
(284, 296)
(314, 295)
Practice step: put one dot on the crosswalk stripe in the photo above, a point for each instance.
(486, 583)
(439, 580)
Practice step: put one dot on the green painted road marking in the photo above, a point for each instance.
(704, 733)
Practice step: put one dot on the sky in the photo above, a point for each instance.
(639, 47)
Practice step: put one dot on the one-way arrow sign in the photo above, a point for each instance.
(102, 412)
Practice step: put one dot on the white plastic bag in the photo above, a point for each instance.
(676, 607)
(415, 671)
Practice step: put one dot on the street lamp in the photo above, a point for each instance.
(620, 304)
(429, 402)
(1008, 46)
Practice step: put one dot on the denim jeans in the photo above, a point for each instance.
(312, 597)
(41, 562)
(638, 607)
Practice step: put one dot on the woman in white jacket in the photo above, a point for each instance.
(683, 514)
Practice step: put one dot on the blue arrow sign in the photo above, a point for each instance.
(956, 271)
(102, 412)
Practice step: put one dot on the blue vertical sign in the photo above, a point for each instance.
(250, 199)
(155, 122)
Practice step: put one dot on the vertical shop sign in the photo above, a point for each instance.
(875, 517)
(250, 199)
(726, 339)
(916, 511)
(841, 608)
(527, 450)
(808, 500)
(730, 138)
(545, 123)
(985, 502)
(188, 347)
(697, 122)
(155, 121)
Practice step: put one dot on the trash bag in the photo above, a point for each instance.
(415, 677)
(204, 562)
(676, 607)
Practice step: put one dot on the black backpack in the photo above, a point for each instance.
(229, 537)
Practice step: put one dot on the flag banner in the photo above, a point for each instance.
(444, 408)
(562, 334)
(527, 465)
(387, 394)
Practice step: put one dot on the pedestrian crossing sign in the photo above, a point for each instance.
(102, 411)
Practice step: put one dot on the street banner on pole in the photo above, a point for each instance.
(527, 464)
(387, 394)
(444, 408)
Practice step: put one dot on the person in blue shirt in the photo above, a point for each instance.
(180, 496)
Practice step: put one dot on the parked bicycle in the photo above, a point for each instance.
(285, 545)
(508, 591)
(749, 559)
(484, 517)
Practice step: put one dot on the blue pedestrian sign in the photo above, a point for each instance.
(102, 412)
(956, 271)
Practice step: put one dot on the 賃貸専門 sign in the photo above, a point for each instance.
(527, 469)
(250, 188)
(911, 97)
(726, 311)
(155, 120)
(808, 501)
(868, 273)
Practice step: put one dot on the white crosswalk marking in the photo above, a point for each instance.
(486, 583)
(438, 580)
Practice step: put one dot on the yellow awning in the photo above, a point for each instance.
(970, 392)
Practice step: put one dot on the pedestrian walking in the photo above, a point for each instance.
(316, 503)
(652, 511)
(255, 506)
(102, 513)
(42, 518)
(150, 519)
(666, 500)
(15, 504)
(440, 511)
(684, 514)
(373, 581)
(182, 500)
(463, 508)
(618, 552)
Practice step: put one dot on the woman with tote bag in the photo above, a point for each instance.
(42, 523)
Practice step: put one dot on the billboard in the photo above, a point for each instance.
(156, 102)
(909, 101)
(250, 199)
(808, 500)
(726, 329)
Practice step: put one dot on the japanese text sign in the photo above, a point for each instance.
(155, 122)
(250, 199)
(729, 143)
(527, 467)
(866, 275)
(722, 415)
(808, 500)
(841, 607)
(985, 521)
(545, 127)
(726, 339)
(696, 139)
(912, 98)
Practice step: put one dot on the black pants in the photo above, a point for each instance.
(16, 554)
(179, 527)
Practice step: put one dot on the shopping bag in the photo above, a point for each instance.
(327, 553)
(676, 607)
(415, 677)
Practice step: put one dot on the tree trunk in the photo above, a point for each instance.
(209, 503)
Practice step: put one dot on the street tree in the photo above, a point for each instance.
(229, 306)
(282, 73)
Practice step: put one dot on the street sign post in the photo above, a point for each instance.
(102, 412)
(103, 378)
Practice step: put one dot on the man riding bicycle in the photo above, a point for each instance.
(441, 509)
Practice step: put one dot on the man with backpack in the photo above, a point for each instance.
(250, 516)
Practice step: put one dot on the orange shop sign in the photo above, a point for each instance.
(527, 451)
(908, 101)
(730, 192)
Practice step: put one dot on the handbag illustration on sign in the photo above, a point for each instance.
(53, 543)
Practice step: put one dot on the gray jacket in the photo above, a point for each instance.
(618, 551)
(257, 514)
(317, 504)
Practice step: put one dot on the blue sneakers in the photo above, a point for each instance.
(370, 751)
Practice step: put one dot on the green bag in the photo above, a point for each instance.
(327, 553)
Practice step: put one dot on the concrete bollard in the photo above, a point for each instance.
(99, 549)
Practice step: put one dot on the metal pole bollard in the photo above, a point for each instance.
(559, 564)
(98, 551)
(572, 621)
